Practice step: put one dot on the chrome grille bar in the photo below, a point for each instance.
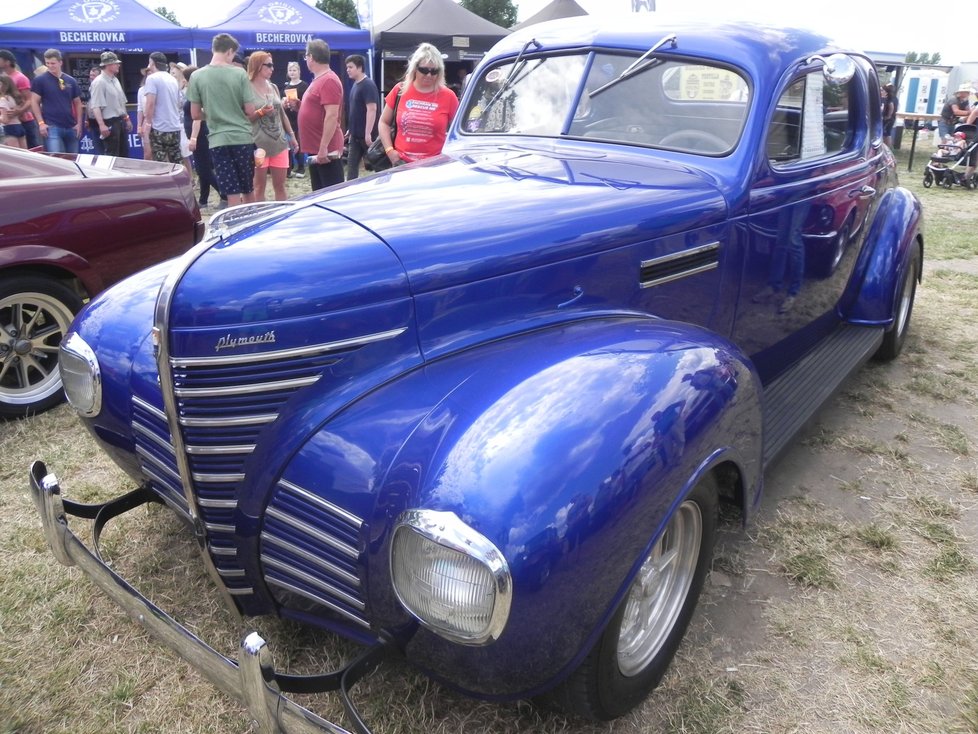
(307, 529)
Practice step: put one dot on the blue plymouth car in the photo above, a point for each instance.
(481, 411)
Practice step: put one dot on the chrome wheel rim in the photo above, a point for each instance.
(906, 298)
(32, 326)
(659, 591)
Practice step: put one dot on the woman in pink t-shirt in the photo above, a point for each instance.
(424, 112)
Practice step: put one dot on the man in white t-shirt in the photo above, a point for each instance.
(163, 116)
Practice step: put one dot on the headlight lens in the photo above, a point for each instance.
(81, 376)
(451, 578)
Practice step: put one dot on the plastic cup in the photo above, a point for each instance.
(292, 93)
(260, 155)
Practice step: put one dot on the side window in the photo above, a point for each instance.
(812, 120)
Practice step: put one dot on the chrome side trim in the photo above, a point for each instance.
(218, 478)
(310, 558)
(214, 392)
(318, 600)
(149, 408)
(308, 351)
(219, 505)
(245, 420)
(678, 265)
(344, 548)
(220, 450)
(312, 581)
(321, 503)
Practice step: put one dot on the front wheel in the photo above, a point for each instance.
(641, 639)
(35, 314)
(894, 338)
(928, 180)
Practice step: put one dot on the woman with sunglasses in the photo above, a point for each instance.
(424, 112)
(270, 129)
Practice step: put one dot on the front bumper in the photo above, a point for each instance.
(252, 679)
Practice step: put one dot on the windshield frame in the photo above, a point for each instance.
(664, 60)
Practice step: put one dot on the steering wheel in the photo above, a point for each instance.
(694, 140)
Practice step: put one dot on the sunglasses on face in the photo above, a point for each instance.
(268, 65)
(428, 71)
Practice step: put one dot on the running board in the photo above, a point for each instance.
(794, 397)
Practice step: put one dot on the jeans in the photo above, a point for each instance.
(33, 135)
(358, 147)
(61, 140)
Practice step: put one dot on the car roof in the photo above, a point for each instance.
(763, 51)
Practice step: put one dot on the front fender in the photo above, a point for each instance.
(872, 293)
(567, 448)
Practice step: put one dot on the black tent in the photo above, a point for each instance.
(553, 11)
(458, 33)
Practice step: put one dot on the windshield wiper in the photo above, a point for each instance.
(633, 68)
(511, 77)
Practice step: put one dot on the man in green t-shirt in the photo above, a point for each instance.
(222, 92)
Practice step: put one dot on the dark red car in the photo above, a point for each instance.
(69, 227)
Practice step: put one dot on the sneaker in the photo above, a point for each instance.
(289, 173)
(300, 174)
(786, 304)
(764, 295)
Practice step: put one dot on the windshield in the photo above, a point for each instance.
(661, 103)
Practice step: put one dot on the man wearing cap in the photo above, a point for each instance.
(8, 66)
(163, 115)
(107, 102)
(56, 104)
(955, 110)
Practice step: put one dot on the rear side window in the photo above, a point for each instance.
(812, 120)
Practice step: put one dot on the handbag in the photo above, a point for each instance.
(375, 159)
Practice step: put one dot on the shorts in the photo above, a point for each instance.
(234, 169)
(279, 160)
(14, 130)
(165, 146)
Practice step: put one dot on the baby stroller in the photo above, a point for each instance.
(947, 167)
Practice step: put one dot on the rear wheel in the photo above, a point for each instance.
(928, 180)
(35, 314)
(894, 338)
(641, 639)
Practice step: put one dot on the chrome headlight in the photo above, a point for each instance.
(449, 577)
(80, 376)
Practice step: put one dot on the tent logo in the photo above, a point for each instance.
(279, 14)
(94, 11)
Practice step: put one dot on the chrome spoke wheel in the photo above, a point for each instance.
(32, 326)
(659, 591)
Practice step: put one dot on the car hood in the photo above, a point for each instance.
(500, 210)
(438, 224)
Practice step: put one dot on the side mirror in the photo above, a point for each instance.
(837, 68)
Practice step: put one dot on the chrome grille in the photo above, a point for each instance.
(222, 404)
(310, 548)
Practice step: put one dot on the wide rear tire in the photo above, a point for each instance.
(642, 637)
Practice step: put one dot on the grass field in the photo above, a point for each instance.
(850, 605)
